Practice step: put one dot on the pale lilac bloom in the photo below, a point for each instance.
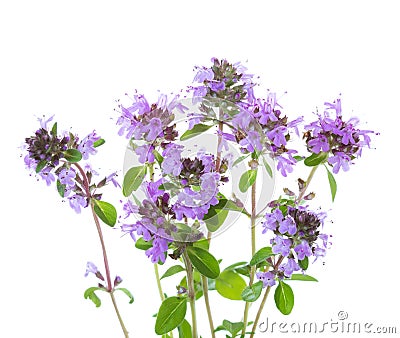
(203, 74)
(285, 165)
(153, 129)
(288, 225)
(129, 208)
(145, 153)
(289, 267)
(77, 202)
(47, 175)
(242, 120)
(111, 178)
(198, 94)
(67, 177)
(43, 122)
(281, 246)
(172, 159)
(277, 136)
(268, 278)
(303, 249)
(252, 141)
(272, 220)
(225, 137)
(86, 145)
(216, 85)
(91, 268)
(340, 160)
(157, 251)
(318, 144)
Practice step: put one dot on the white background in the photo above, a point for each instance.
(75, 58)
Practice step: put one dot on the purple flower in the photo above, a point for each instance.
(252, 141)
(145, 153)
(129, 208)
(198, 94)
(281, 246)
(67, 177)
(272, 220)
(203, 74)
(303, 250)
(216, 85)
(242, 120)
(91, 268)
(268, 278)
(288, 225)
(172, 159)
(154, 129)
(289, 267)
(43, 122)
(86, 145)
(47, 175)
(76, 202)
(277, 136)
(158, 250)
(285, 165)
(339, 160)
(152, 189)
(111, 178)
(318, 144)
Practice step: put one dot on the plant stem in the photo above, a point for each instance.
(191, 293)
(253, 250)
(260, 309)
(160, 291)
(309, 178)
(109, 285)
(121, 322)
(204, 282)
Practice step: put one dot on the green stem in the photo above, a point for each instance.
(121, 322)
(191, 292)
(260, 309)
(309, 178)
(208, 308)
(253, 251)
(160, 291)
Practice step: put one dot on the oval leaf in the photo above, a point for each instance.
(253, 292)
(105, 211)
(284, 298)
(230, 285)
(99, 143)
(304, 263)
(232, 328)
(40, 166)
(247, 180)
(315, 159)
(90, 293)
(215, 216)
(203, 261)
(128, 293)
(133, 179)
(197, 129)
(332, 183)
(141, 244)
(300, 276)
(171, 313)
(261, 255)
(72, 155)
(173, 270)
(185, 330)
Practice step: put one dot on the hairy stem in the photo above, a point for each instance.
(191, 292)
(160, 291)
(207, 301)
(253, 250)
(309, 178)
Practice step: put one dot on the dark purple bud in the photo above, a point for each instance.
(117, 281)
(310, 196)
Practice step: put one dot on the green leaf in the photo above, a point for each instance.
(267, 167)
(298, 158)
(230, 285)
(185, 330)
(90, 293)
(61, 188)
(158, 157)
(235, 265)
(261, 255)
(253, 292)
(99, 143)
(72, 155)
(247, 179)
(197, 129)
(284, 298)
(172, 271)
(216, 216)
(332, 183)
(202, 243)
(203, 261)
(304, 263)
(240, 159)
(40, 166)
(128, 293)
(141, 244)
(300, 276)
(105, 211)
(232, 328)
(54, 129)
(171, 313)
(133, 179)
(315, 159)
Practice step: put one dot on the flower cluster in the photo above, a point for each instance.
(339, 140)
(51, 157)
(297, 237)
